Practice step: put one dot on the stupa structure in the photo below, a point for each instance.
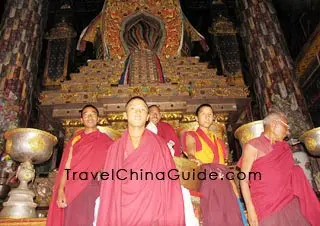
(143, 48)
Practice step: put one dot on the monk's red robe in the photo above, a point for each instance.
(140, 201)
(168, 133)
(219, 205)
(88, 155)
(281, 182)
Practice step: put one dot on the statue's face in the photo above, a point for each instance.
(205, 117)
(137, 113)
(89, 117)
(155, 115)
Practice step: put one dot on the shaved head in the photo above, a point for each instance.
(154, 106)
(273, 115)
(134, 98)
(276, 126)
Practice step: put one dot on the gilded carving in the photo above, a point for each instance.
(223, 92)
(103, 121)
(43, 189)
(169, 90)
(221, 117)
(311, 52)
(188, 118)
(77, 122)
(115, 117)
(218, 117)
(172, 115)
(115, 13)
(53, 97)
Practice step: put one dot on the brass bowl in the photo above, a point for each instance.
(311, 139)
(249, 131)
(28, 144)
(186, 166)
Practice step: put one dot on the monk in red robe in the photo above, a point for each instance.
(77, 185)
(282, 196)
(130, 197)
(164, 130)
(220, 204)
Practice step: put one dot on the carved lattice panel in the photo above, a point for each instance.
(57, 58)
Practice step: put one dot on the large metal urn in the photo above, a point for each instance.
(249, 131)
(311, 139)
(28, 146)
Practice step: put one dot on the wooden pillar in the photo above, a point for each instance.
(20, 43)
(271, 65)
